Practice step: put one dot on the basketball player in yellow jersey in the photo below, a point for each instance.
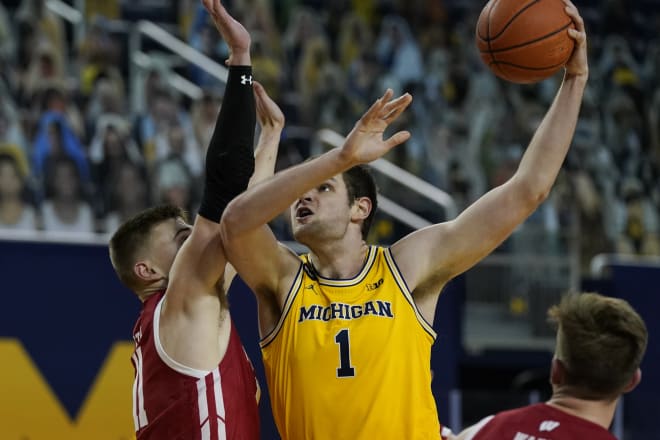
(346, 340)
(357, 342)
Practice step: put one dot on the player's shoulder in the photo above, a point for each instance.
(543, 418)
(526, 412)
(526, 417)
(290, 260)
(289, 252)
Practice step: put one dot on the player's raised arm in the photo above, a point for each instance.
(428, 258)
(191, 309)
(229, 166)
(364, 144)
(271, 122)
(251, 246)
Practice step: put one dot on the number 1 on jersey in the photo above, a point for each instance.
(345, 369)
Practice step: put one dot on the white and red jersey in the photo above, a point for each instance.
(172, 401)
(537, 422)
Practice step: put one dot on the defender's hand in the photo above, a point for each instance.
(269, 114)
(271, 120)
(234, 34)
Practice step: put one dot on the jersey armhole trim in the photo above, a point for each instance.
(162, 354)
(394, 269)
(290, 296)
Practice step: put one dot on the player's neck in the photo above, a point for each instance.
(341, 260)
(150, 290)
(599, 412)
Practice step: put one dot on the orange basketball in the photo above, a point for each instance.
(524, 41)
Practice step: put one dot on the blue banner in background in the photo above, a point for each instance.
(63, 316)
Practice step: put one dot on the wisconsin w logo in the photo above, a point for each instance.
(548, 425)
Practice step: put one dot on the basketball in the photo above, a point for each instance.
(524, 41)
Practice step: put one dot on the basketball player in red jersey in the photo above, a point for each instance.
(600, 345)
(193, 379)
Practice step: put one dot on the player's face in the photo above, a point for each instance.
(322, 213)
(166, 240)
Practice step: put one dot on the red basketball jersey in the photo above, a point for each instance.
(538, 422)
(172, 401)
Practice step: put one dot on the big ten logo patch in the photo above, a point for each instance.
(31, 410)
(374, 286)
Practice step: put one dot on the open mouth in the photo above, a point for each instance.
(303, 213)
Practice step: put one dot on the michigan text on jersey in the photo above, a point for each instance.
(345, 311)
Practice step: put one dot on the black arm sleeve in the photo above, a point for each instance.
(230, 156)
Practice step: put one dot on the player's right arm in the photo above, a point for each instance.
(266, 266)
(430, 257)
(190, 326)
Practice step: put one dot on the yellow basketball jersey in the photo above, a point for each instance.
(350, 359)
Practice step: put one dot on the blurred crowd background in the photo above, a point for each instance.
(77, 154)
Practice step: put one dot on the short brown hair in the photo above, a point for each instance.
(601, 342)
(132, 236)
(360, 183)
